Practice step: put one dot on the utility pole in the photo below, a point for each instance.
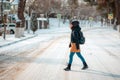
(2, 16)
(2, 10)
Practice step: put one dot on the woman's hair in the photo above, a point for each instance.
(75, 25)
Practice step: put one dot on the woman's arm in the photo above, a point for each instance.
(76, 38)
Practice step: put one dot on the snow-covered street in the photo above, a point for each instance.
(45, 56)
(59, 39)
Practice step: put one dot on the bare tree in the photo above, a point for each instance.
(73, 4)
(21, 22)
(46, 6)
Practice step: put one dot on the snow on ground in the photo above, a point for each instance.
(98, 51)
(11, 39)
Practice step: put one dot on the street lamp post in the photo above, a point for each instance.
(5, 8)
(4, 36)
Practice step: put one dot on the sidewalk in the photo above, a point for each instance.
(10, 39)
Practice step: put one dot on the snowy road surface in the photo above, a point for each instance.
(45, 56)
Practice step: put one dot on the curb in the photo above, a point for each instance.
(17, 41)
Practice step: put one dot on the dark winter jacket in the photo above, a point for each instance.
(75, 36)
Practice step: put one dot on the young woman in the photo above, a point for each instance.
(74, 46)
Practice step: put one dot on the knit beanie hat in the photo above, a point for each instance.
(75, 23)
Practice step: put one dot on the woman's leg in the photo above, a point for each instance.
(71, 57)
(80, 56)
(83, 60)
(70, 61)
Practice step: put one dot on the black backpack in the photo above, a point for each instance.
(81, 38)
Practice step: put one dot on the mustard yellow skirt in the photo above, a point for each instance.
(73, 48)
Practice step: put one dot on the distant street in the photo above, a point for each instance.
(45, 56)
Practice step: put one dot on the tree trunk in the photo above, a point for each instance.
(117, 5)
(20, 25)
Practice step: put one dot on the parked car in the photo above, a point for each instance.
(9, 27)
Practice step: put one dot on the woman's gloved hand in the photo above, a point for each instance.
(69, 45)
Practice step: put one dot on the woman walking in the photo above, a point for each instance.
(74, 46)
